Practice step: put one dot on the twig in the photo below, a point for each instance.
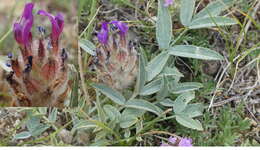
(248, 25)
(219, 82)
(243, 36)
(160, 132)
(218, 85)
(90, 22)
(226, 101)
(244, 100)
(5, 35)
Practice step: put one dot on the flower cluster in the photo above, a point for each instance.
(167, 3)
(39, 75)
(172, 141)
(116, 58)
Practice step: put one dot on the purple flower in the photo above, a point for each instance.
(172, 140)
(56, 21)
(22, 28)
(167, 3)
(164, 144)
(185, 142)
(103, 34)
(123, 28)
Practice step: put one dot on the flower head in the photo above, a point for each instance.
(116, 58)
(123, 28)
(22, 29)
(167, 3)
(185, 142)
(103, 34)
(164, 144)
(36, 78)
(56, 21)
(172, 140)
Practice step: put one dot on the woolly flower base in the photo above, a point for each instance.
(40, 79)
(39, 76)
(116, 60)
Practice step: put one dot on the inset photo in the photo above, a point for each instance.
(38, 43)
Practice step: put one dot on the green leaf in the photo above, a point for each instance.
(144, 105)
(167, 102)
(22, 135)
(100, 135)
(43, 110)
(102, 142)
(74, 98)
(112, 112)
(193, 110)
(187, 96)
(163, 26)
(214, 8)
(127, 133)
(151, 87)
(144, 55)
(133, 111)
(156, 65)
(114, 95)
(87, 46)
(100, 112)
(211, 22)
(189, 122)
(83, 124)
(186, 12)
(185, 87)
(191, 51)
(33, 123)
(155, 85)
(163, 92)
(53, 115)
(127, 121)
(39, 130)
(141, 78)
(167, 71)
(179, 105)
(182, 100)
(139, 126)
(104, 126)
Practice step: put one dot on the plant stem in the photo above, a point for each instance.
(180, 36)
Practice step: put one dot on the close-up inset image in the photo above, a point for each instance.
(35, 52)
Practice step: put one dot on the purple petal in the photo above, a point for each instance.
(164, 144)
(167, 3)
(26, 31)
(56, 21)
(185, 142)
(18, 33)
(60, 20)
(27, 13)
(103, 34)
(172, 140)
(23, 27)
(121, 26)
